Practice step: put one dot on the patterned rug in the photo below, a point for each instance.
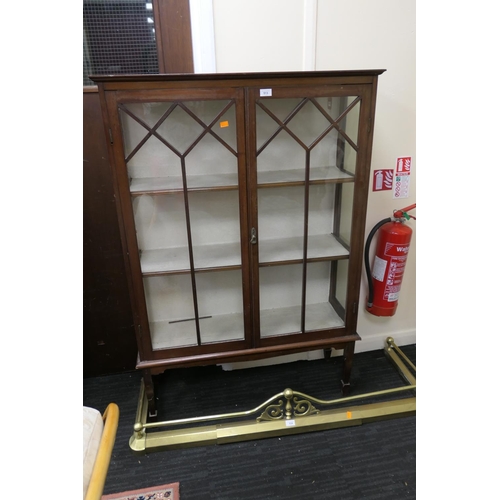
(163, 492)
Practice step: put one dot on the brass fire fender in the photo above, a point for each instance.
(289, 412)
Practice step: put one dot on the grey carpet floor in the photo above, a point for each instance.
(373, 461)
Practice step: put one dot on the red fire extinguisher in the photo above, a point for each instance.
(384, 280)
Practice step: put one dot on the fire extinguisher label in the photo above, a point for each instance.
(394, 278)
(402, 177)
(379, 267)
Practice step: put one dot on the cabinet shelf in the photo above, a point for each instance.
(295, 177)
(151, 185)
(219, 182)
(290, 250)
(176, 260)
(286, 320)
(228, 255)
(213, 329)
(228, 327)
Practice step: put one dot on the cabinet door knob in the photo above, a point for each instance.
(253, 236)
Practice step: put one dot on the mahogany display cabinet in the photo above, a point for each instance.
(241, 201)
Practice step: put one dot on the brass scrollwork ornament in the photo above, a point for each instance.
(303, 407)
(272, 412)
(299, 408)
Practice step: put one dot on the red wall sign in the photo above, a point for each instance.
(382, 180)
(403, 165)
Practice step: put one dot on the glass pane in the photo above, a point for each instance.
(170, 306)
(163, 242)
(215, 229)
(179, 129)
(118, 38)
(341, 273)
(322, 241)
(159, 136)
(308, 124)
(327, 159)
(283, 159)
(151, 164)
(188, 232)
(220, 303)
(160, 222)
(346, 195)
(210, 164)
(320, 313)
(280, 300)
(281, 223)
(349, 125)
(326, 127)
(210, 111)
(306, 153)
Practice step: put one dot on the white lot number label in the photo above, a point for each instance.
(379, 267)
(266, 92)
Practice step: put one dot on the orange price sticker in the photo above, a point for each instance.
(224, 124)
(349, 414)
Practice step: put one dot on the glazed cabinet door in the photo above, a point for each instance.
(180, 167)
(309, 174)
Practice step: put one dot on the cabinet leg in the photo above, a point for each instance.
(150, 393)
(346, 376)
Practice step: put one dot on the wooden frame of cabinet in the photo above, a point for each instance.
(250, 100)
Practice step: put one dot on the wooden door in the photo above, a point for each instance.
(180, 171)
(308, 163)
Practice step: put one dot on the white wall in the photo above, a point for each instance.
(355, 34)
(294, 35)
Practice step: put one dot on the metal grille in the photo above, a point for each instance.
(118, 38)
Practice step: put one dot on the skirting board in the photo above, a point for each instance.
(368, 343)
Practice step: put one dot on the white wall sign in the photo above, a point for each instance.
(401, 187)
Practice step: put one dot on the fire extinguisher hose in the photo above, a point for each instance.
(367, 258)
